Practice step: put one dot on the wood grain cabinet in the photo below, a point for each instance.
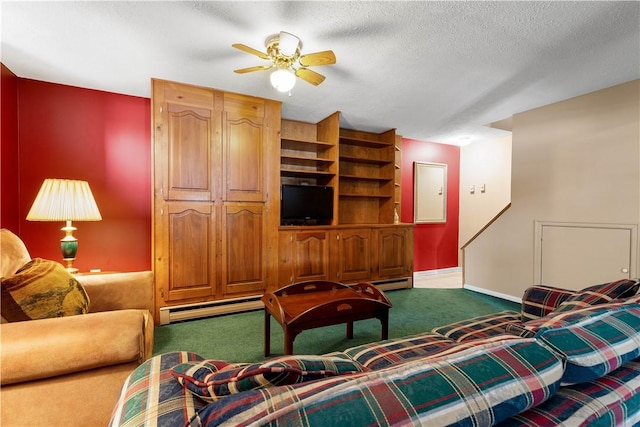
(362, 243)
(346, 254)
(352, 255)
(304, 255)
(219, 160)
(215, 181)
(394, 252)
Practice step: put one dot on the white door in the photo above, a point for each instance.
(574, 256)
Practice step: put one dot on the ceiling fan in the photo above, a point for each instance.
(283, 50)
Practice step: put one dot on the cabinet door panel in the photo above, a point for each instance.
(185, 142)
(244, 247)
(311, 252)
(393, 258)
(189, 252)
(354, 255)
(286, 259)
(243, 158)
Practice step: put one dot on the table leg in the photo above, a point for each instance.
(267, 333)
(350, 330)
(384, 321)
(289, 336)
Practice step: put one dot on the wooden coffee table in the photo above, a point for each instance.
(314, 304)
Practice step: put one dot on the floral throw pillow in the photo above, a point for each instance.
(42, 289)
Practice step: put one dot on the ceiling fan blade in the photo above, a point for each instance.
(250, 50)
(310, 76)
(256, 68)
(326, 57)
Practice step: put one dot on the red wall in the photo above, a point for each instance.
(56, 131)
(103, 138)
(435, 245)
(9, 150)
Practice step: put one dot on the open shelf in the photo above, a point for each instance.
(362, 166)
(353, 158)
(370, 143)
(304, 161)
(368, 196)
(306, 174)
(366, 178)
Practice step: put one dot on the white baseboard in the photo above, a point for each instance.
(425, 273)
(492, 293)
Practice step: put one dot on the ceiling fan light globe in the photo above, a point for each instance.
(283, 80)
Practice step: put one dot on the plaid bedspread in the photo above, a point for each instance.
(479, 386)
(151, 396)
(613, 400)
(417, 380)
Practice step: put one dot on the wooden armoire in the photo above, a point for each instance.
(215, 183)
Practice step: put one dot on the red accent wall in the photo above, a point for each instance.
(57, 131)
(9, 150)
(103, 138)
(435, 245)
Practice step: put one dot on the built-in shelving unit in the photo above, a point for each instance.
(362, 243)
(309, 153)
(367, 177)
(398, 176)
(362, 167)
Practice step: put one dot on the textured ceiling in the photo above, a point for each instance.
(435, 71)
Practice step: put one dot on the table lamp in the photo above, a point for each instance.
(65, 200)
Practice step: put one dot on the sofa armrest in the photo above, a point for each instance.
(540, 300)
(119, 291)
(37, 349)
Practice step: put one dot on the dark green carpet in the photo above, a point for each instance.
(239, 337)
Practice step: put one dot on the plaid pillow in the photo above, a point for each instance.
(599, 294)
(212, 379)
(378, 355)
(540, 300)
(597, 344)
(479, 327)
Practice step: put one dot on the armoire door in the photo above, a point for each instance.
(185, 261)
(186, 143)
(244, 248)
(243, 149)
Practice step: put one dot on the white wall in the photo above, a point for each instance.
(485, 163)
(574, 161)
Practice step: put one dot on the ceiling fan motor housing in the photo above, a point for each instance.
(283, 48)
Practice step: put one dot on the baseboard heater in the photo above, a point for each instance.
(178, 313)
(393, 284)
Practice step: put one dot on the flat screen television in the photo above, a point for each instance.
(306, 204)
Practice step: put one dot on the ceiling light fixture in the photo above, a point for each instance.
(283, 80)
(287, 63)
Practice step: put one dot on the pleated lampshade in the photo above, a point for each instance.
(64, 200)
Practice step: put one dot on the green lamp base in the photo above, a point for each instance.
(69, 247)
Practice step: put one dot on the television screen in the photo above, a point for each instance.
(306, 204)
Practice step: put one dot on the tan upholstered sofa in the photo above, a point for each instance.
(69, 370)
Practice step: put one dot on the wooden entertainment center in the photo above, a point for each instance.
(219, 160)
